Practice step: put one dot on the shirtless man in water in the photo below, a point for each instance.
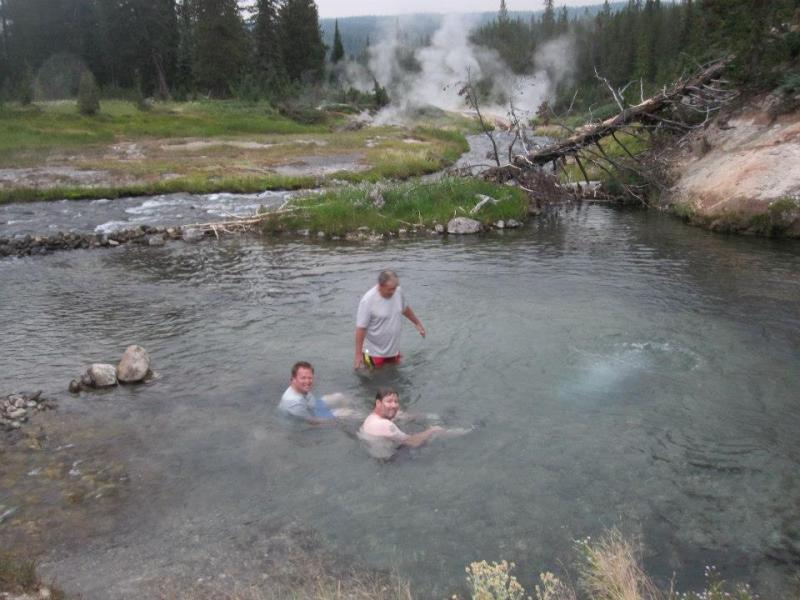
(378, 428)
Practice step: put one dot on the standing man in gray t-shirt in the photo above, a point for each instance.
(378, 322)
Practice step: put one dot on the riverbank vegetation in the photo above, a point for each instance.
(609, 568)
(18, 576)
(399, 208)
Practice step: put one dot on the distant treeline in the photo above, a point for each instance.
(358, 33)
(650, 42)
(275, 48)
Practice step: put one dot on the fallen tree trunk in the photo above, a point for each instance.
(644, 111)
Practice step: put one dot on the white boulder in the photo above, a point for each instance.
(102, 375)
(134, 365)
(463, 225)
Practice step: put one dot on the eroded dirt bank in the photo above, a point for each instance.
(742, 173)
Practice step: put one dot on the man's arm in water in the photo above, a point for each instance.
(361, 333)
(409, 314)
(416, 440)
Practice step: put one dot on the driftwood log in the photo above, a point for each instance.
(644, 111)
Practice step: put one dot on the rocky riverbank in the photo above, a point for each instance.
(16, 409)
(147, 235)
(31, 245)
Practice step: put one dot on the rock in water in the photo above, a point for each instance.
(134, 365)
(103, 375)
(463, 225)
(192, 234)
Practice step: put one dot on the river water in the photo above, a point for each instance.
(621, 369)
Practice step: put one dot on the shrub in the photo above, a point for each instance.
(88, 95)
(381, 95)
(25, 91)
(493, 581)
(611, 569)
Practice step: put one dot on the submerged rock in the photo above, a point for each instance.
(134, 365)
(463, 225)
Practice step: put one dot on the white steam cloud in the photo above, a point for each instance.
(434, 74)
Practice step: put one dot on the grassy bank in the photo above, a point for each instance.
(405, 206)
(194, 185)
(49, 151)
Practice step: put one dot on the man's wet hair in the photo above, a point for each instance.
(386, 276)
(385, 391)
(300, 364)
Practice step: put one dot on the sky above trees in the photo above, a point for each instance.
(351, 8)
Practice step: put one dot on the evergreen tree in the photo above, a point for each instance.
(184, 79)
(3, 31)
(548, 19)
(337, 53)
(220, 46)
(562, 24)
(301, 40)
(141, 36)
(502, 15)
(267, 40)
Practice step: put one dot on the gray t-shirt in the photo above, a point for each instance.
(382, 318)
(296, 404)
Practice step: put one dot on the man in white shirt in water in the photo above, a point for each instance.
(298, 401)
(378, 322)
(382, 435)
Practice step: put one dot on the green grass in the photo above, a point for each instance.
(54, 125)
(408, 205)
(193, 185)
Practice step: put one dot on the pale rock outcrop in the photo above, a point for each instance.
(742, 173)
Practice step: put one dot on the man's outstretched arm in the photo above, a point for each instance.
(409, 314)
(418, 439)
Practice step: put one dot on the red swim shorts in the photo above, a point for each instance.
(379, 361)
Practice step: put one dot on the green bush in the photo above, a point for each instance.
(88, 95)
(25, 91)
